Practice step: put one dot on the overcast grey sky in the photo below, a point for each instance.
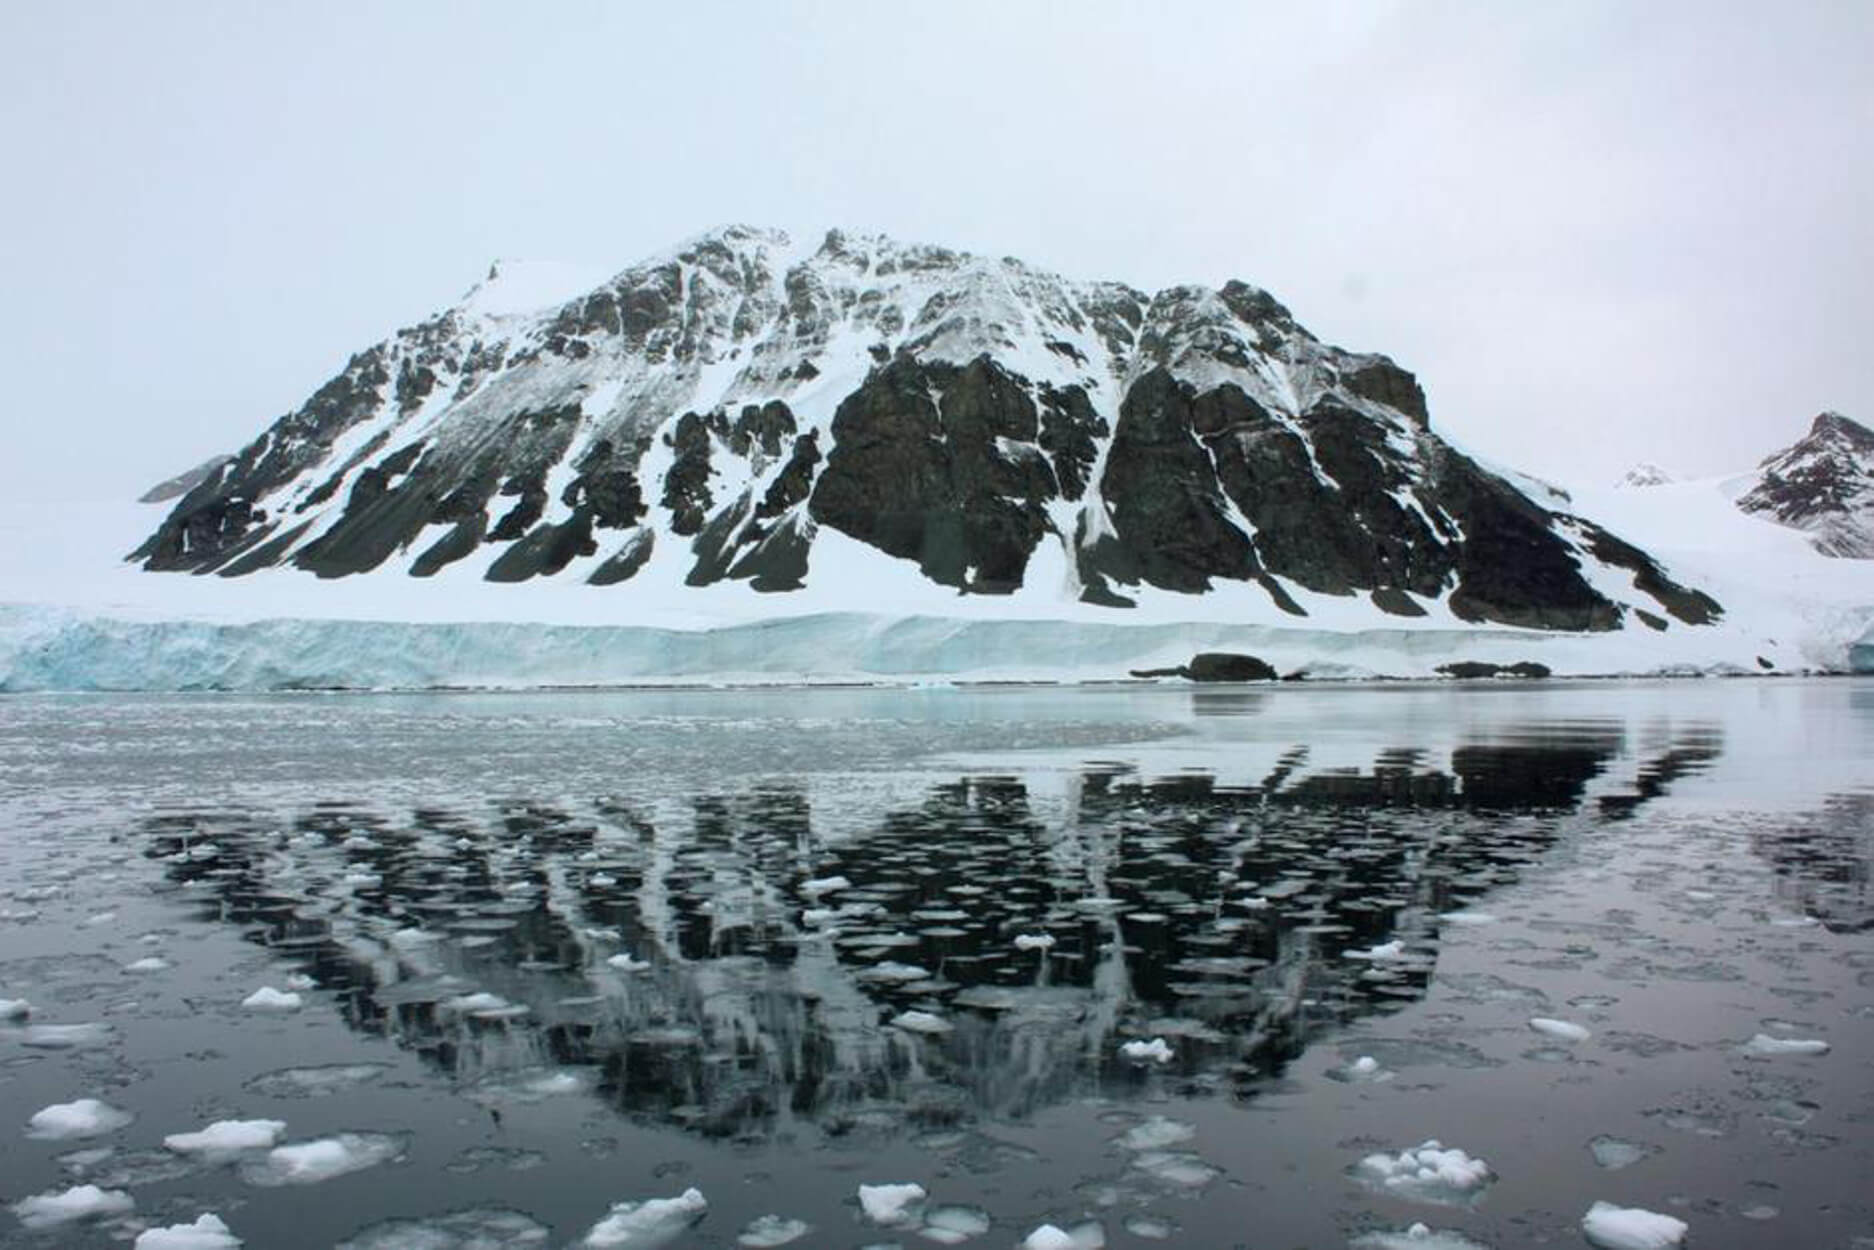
(1599, 232)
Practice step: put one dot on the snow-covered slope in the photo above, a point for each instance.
(1823, 484)
(746, 420)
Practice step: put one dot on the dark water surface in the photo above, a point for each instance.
(559, 951)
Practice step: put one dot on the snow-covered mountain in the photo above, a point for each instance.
(745, 411)
(1644, 474)
(1822, 484)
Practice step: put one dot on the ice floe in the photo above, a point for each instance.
(1614, 1153)
(1631, 1228)
(647, 1224)
(891, 1203)
(1560, 1030)
(208, 1232)
(148, 964)
(66, 1206)
(1088, 1236)
(815, 887)
(266, 998)
(85, 1117)
(15, 1009)
(1034, 941)
(626, 962)
(1764, 1044)
(310, 1162)
(478, 1228)
(1429, 1172)
(228, 1137)
(1155, 1051)
(772, 1230)
(1394, 949)
(1415, 1237)
(954, 1225)
(920, 1022)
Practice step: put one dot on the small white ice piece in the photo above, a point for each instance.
(772, 1230)
(266, 998)
(1631, 1228)
(1428, 1172)
(15, 1009)
(1034, 941)
(890, 1203)
(1415, 1237)
(1560, 1030)
(207, 1233)
(952, 1226)
(1394, 949)
(921, 1022)
(627, 962)
(1764, 1044)
(1154, 1051)
(85, 1117)
(80, 1202)
(815, 887)
(150, 963)
(310, 1162)
(648, 1224)
(1048, 1237)
(228, 1137)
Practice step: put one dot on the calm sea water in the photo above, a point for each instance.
(554, 952)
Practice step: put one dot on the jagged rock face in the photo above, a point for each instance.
(718, 409)
(1823, 484)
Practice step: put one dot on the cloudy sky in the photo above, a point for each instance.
(1600, 233)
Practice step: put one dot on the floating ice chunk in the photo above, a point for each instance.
(1088, 1236)
(1364, 1070)
(308, 1163)
(890, 1203)
(1154, 1051)
(1150, 1227)
(1034, 941)
(300, 981)
(1764, 1044)
(86, 1117)
(478, 1228)
(1176, 1168)
(80, 1202)
(921, 1022)
(894, 972)
(150, 963)
(1427, 1172)
(1156, 1133)
(266, 998)
(1631, 1228)
(66, 1036)
(626, 962)
(413, 936)
(1394, 949)
(15, 1009)
(1560, 1030)
(814, 887)
(207, 1233)
(772, 1230)
(1465, 917)
(316, 1082)
(601, 879)
(1416, 1237)
(228, 1137)
(1614, 1153)
(645, 1225)
(952, 1226)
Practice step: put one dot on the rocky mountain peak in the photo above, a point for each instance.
(1822, 484)
(707, 416)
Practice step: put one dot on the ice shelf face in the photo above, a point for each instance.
(49, 649)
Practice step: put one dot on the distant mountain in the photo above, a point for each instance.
(184, 482)
(1644, 475)
(745, 410)
(1822, 484)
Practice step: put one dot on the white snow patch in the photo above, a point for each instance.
(1155, 1051)
(1764, 1044)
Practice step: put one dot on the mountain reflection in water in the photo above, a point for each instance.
(732, 969)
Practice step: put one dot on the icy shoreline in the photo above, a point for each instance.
(51, 649)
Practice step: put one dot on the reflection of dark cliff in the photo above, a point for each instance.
(1823, 861)
(1227, 919)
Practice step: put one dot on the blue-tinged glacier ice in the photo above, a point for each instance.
(54, 649)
